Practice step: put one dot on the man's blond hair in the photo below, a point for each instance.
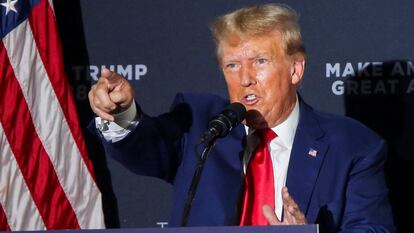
(258, 21)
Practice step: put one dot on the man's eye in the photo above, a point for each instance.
(261, 61)
(231, 65)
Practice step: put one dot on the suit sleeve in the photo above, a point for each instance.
(153, 148)
(367, 207)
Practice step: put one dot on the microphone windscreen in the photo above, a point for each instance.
(236, 111)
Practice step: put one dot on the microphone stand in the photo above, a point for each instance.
(196, 179)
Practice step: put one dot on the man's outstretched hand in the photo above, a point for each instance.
(112, 94)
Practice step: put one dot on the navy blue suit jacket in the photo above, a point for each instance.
(342, 188)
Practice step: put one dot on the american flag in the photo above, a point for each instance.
(46, 178)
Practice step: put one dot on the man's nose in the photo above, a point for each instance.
(247, 77)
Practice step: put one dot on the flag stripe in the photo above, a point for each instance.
(48, 44)
(17, 202)
(27, 148)
(4, 226)
(49, 115)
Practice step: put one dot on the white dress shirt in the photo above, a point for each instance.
(280, 147)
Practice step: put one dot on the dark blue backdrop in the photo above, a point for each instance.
(360, 63)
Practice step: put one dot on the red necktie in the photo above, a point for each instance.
(259, 182)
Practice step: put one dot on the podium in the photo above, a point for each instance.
(228, 229)
(311, 228)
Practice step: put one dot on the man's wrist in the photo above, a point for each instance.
(123, 124)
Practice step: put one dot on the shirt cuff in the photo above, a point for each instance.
(126, 118)
(124, 123)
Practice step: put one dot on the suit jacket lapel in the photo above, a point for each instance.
(307, 156)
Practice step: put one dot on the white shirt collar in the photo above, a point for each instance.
(287, 129)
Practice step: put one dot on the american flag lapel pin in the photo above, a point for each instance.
(312, 152)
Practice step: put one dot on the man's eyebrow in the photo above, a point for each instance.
(258, 55)
(250, 57)
(229, 59)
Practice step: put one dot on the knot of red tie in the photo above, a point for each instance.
(266, 135)
(259, 182)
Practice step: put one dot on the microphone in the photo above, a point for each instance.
(224, 122)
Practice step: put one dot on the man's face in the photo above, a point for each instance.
(261, 76)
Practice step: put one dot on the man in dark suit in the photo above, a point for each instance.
(320, 168)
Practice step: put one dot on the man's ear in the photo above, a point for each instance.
(297, 70)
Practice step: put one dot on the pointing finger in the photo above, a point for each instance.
(106, 73)
(113, 79)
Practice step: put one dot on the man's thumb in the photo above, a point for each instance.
(270, 215)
